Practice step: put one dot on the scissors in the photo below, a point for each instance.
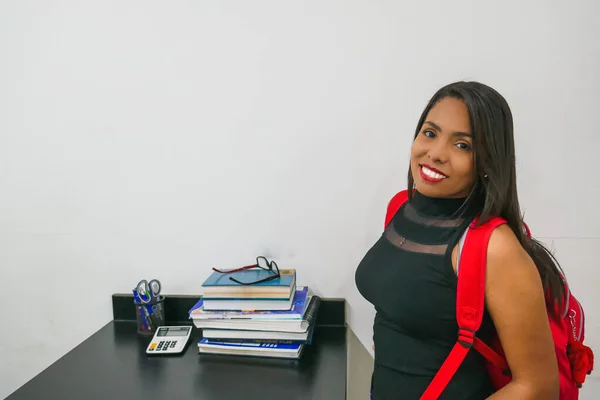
(148, 292)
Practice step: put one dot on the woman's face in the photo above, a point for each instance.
(442, 154)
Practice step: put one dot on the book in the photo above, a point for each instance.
(220, 286)
(275, 350)
(301, 298)
(249, 304)
(260, 336)
(277, 325)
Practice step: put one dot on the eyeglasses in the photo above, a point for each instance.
(262, 263)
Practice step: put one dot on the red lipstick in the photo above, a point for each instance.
(431, 174)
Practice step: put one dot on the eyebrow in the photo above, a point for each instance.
(437, 128)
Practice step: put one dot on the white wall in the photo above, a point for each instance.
(159, 139)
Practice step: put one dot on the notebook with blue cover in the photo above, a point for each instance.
(270, 345)
(220, 286)
(269, 350)
(251, 275)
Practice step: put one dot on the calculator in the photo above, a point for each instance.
(169, 340)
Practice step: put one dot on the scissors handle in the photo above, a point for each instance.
(154, 287)
(148, 291)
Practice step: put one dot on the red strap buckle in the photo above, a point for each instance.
(466, 337)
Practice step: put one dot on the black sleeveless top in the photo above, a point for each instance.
(408, 276)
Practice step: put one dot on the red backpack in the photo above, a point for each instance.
(575, 360)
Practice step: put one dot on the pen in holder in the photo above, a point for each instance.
(149, 315)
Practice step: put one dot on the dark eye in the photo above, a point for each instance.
(429, 133)
(463, 146)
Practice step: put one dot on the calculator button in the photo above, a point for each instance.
(161, 343)
(153, 346)
(173, 344)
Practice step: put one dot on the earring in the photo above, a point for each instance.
(485, 176)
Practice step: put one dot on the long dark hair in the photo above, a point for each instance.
(495, 188)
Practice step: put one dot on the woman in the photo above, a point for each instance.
(462, 165)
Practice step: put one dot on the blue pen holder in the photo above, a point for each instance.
(150, 316)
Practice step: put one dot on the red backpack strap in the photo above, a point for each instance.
(470, 299)
(394, 205)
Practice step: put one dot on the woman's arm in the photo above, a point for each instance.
(515, 301)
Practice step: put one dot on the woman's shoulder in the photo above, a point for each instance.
(507, 260)
(503, 241)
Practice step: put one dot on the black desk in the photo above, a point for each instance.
(112, 364)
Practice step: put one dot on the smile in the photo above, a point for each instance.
(430, 175)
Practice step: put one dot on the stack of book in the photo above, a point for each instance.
(274, 319)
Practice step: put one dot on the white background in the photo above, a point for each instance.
(157, 139)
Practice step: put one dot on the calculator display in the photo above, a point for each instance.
(173, 331)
